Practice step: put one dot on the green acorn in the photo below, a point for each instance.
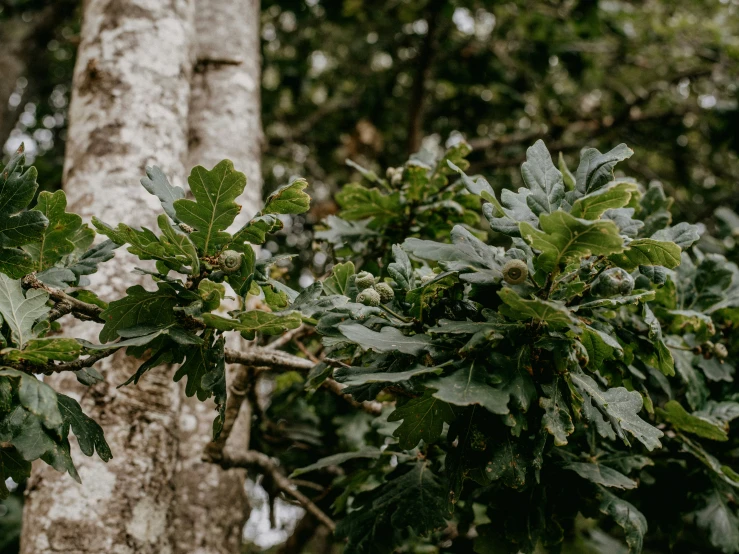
(369, 297)
(613, 282)
(720, 351)
(515, 272)
(385, 291)
(229, 261)
(364, 280)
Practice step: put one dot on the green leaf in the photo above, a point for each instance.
(423, 419)
(596, 169)
(15, 263)
(358, 202)
(626, 516)
(601, 475)
(36, 397)
(389, 339)
(89, 434)
(57, 239)
(17, 188)
(563, 239)
(144, 243)
(179, 244)
(156, 183)
(20, 310)
(288, 199)
(662, 357)
(409, 504)
(621, 407)
(683, 234)
(541, 311)
(505, 216)
(40, 351)
(681, 420)
(543, 179)
(337, 460)
(592, 206)
(469, 386)
(24, 431)
(401, 269)
(600, 347)
(556, 419)
(338, 281)
(255, 321)
(257, 229)
(139, 307)
(648, 252)
(213, 209)
(477, 261)
(507, 464)
(12, 466)
(720, 520)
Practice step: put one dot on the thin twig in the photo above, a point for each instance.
(89, 311)
(287, 337)
(266, 465)
(370, 406)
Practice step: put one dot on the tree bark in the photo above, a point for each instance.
(211, 506)
(129, 109)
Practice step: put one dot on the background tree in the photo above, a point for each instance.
(147, 509)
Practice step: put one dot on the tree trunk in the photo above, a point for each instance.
(211, 505)
(129, 109)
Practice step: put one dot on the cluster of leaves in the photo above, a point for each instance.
(582, 370)
(34, 420)
(417, 199)
(49, 251)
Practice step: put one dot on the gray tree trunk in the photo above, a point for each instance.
(129, 109)
(224, 122)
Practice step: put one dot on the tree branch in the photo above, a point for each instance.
(266, 465)
(79, 308)
(259, 357)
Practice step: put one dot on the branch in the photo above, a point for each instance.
(79, 308)
(266, 465)
(51, 367)
(259, 357)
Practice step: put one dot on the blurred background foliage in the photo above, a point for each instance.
(374, 81)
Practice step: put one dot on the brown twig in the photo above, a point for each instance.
(266, 465)
(78, 307)
(370, 406)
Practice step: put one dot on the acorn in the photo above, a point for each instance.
(515, 272)
(720, 351)
(229, 261)
(385, 291)
(364, 280)
(369, 297)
